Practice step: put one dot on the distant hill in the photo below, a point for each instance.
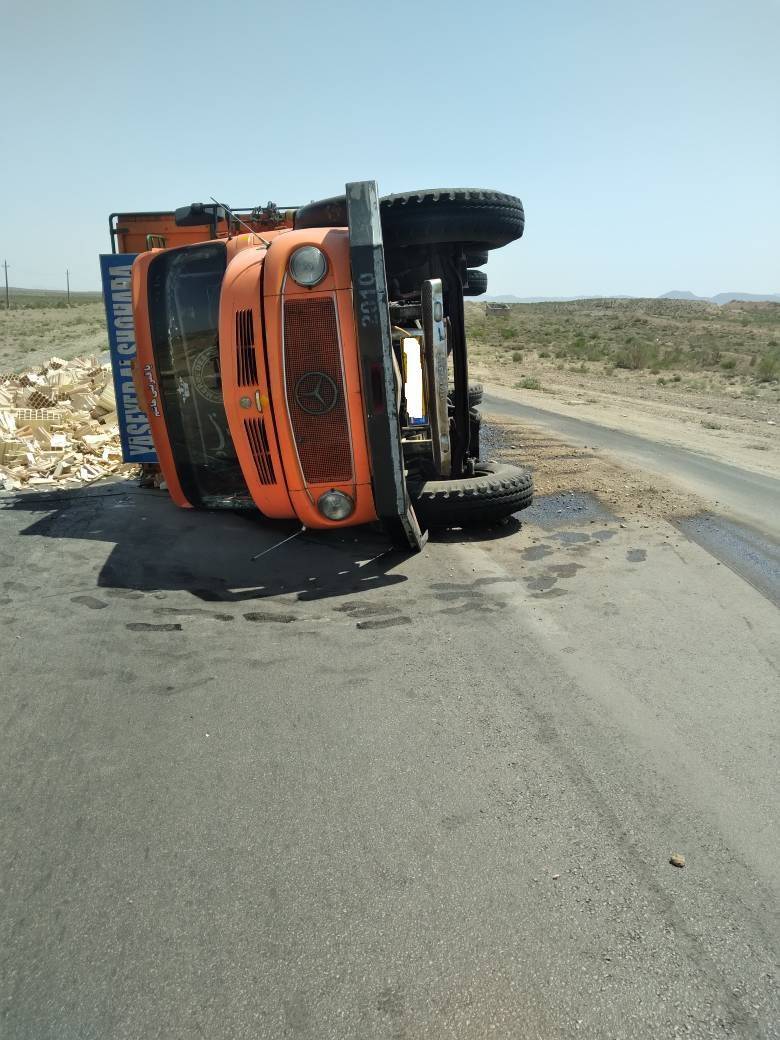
(724, 297)
(674, 294)
(549, 299)
(745, 297)
(677, 294)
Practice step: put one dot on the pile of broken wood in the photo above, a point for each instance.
(58, 426)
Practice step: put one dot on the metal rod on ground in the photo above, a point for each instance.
(7, 304)
(278, 544)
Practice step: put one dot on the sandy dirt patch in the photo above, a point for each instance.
(561, 467)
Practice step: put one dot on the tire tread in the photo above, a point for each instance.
(497, 492)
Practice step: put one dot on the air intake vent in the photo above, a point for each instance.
(258, 442)
(246, 362)
(315, 390)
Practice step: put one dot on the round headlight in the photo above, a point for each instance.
(335, 505)
(308, 265)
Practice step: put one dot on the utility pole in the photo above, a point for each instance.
(67, 282)
(5, 266)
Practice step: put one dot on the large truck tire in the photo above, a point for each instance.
(482, 218)
(476, 258)
(475, 393)
(476, 283)
(497, 490)
(477, 217)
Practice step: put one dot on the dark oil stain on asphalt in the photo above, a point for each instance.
(564, 570)
(361, 610)
(636, 555)
(466, 592)
(473, 606)
(168, 691)
(571, 537)
(537, 552)
(453, 822)
(367, 611)
(265, 615)
(540, 584)
(145, 626)
(447, 586)
(578, 550)
(89, 601)
(390, 622)
(16, 586)
(193, 612)
(549, 594)
(551, 511)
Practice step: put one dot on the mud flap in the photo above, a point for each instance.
(372, 321)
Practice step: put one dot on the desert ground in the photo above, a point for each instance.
(703, 377)
(41, 325)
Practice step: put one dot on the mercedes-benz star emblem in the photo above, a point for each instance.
(316, 393)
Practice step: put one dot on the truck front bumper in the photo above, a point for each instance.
(372, 322)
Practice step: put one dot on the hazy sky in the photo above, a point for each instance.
(643, 138)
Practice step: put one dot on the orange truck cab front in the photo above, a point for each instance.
(266, 368)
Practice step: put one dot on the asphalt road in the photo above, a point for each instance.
(339, 793)
(748, 496)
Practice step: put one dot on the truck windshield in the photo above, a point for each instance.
(184, 287)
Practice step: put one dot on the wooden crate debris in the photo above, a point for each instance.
(58, 426)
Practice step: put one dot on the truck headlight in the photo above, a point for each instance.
(335, 505)
(308, 266)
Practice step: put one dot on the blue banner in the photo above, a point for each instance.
(134, 429)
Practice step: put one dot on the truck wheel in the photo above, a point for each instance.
(475, 284)
(475, 430)
(475, 393)
(494, 492)
(476, 258)
(484, 219)
(477, 217)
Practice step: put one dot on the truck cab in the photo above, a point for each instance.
(294, 361)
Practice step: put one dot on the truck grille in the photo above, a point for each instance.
(246, 362)
(315, 390)
(261, 453)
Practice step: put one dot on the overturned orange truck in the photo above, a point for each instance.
(313, 360)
